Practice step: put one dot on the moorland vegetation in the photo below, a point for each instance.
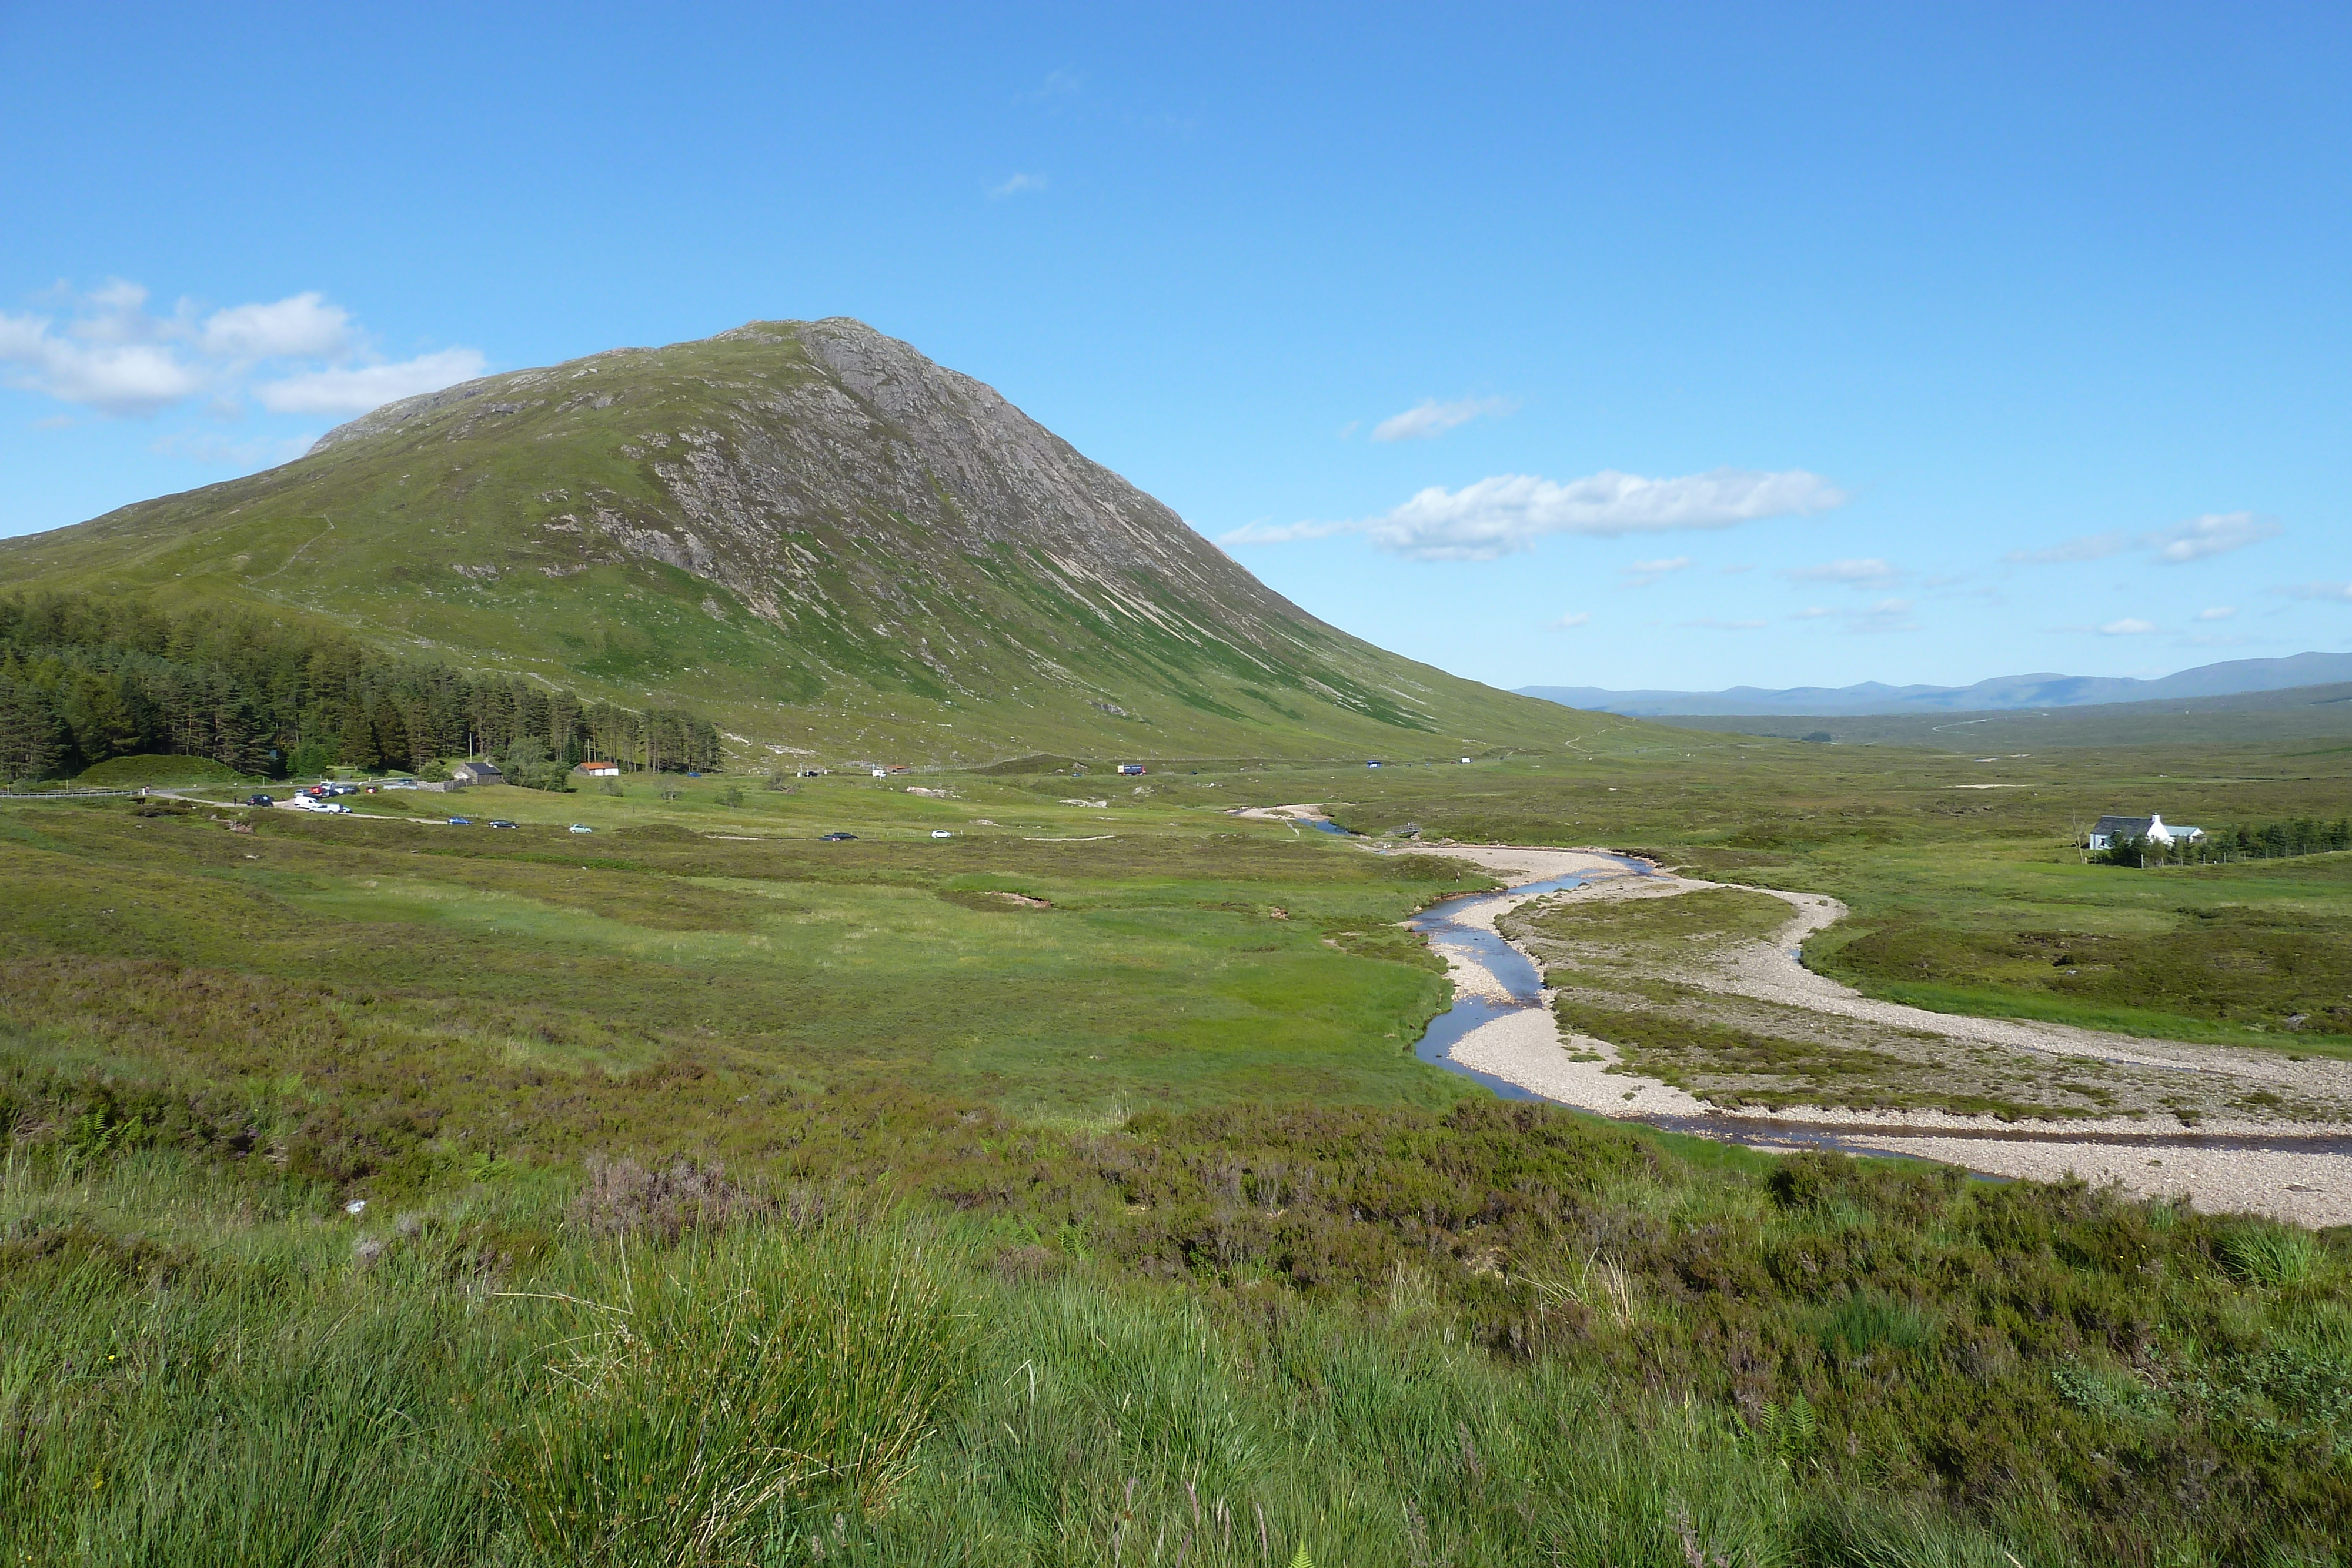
(1066, 1191)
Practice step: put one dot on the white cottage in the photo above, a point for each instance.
(2109, 832)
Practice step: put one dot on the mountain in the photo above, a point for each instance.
(2313, 714)
(2005, 691)
(805, 530)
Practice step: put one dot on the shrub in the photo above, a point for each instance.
(622, 1198)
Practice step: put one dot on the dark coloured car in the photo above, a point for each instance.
(834, 838)
(500, 822)
(259, 801)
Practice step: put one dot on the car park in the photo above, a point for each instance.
(834, 838)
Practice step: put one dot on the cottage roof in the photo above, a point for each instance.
(2134, 826)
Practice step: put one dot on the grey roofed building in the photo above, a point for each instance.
(477, 773)
(2109, 832)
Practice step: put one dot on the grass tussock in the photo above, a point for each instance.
(729, 1382)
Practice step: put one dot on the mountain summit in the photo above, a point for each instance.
(806, 528)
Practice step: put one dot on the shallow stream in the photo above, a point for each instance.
(1523, 983)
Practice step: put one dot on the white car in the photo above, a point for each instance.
(941, 833)
(581, 827)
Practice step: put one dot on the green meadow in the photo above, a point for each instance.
(692, 1190)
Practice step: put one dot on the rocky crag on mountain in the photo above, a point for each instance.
(807, 528)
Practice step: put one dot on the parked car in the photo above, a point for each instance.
(259, 801)
(461, 821)
(500, 822)
(581, 827)
(342, 788)
(336, 807)
(834, 838)
(941, 833)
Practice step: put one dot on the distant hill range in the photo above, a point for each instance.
(2006, 692)
(806, 531)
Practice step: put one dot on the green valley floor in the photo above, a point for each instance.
(1067, 1189)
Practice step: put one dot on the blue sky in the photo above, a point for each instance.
(1671, 346)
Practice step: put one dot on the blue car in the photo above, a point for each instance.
(461, 821)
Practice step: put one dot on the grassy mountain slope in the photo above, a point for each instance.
(806, 529)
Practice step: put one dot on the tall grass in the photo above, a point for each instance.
(729, 1383)
(1645, 1363)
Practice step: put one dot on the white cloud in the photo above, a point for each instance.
(2217, 613)
(1265, 533)
(2128, 627)
(1714, 626)
(1642, 573)
(1866, 572)
(1570, 623)
(105, 349)
(2089, 547)
(1017, 185)
(357, 389)
(1886, 615)
(1058, 84)
(1810, 612)
(2215, 533)
(304, 327)
(263, 452)
(2342, 590)
(1509, 512)
(96, 369)
(1430, 418)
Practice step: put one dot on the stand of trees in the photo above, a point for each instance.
(2277, 841)
(84, 678)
